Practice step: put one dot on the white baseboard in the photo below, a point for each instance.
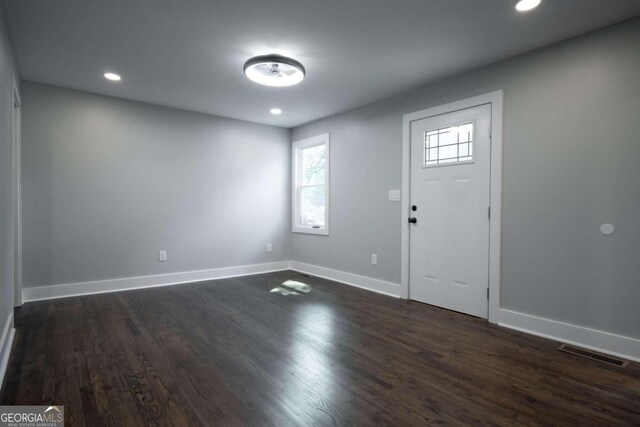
(604, 342)
(617, 345)
(368, 283)
(6, 342)
(129, 283)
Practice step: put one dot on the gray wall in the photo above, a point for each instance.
(107, 183)
(7, 78)
(571, 162)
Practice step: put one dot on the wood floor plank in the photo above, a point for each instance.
(233, 353)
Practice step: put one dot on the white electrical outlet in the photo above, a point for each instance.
(374, 259)
(269, 247)
(162, 256)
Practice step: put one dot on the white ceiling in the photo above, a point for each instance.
(189, 53)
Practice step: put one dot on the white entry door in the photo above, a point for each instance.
(450, 198)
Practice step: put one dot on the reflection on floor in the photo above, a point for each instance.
(283, 349)
(292, 287)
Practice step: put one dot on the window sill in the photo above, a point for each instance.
(309, 230)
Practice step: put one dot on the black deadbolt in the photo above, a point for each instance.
(414, 208)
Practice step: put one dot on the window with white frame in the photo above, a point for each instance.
(311, 185)
(453, 144)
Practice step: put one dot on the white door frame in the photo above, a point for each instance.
(16, 126)
(495, 221)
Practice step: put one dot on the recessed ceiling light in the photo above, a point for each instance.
(276, 111)
(527, 5)
(112, 76)
(274, 70)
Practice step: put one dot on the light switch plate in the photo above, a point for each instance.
(269, 247)
(162, 256)
(394, 195)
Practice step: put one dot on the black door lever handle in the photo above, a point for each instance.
(413, 220)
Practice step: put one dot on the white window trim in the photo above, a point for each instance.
(296, 227)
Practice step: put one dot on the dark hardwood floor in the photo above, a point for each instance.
(231, 352)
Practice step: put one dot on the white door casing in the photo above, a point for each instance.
(493, 204)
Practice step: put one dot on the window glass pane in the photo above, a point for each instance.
(447, 136)
(449, 145)
(432, 155)
(432, 139)
(465, 132)
(312, 205)
(449, 160)
(448, 152)
(313, 165)
(464, 150)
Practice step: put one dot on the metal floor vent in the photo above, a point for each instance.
(593, 355)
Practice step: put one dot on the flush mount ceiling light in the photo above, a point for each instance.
(112, 76)
(274, 70)
(276, 111)
(527, 5)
